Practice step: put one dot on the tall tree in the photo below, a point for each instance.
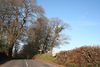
(38, 32)
(14, 17)
(57, 26)
(45, 34)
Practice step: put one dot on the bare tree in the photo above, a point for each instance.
(14, 17)
(38, 32)
(45, 34)
(57, 26)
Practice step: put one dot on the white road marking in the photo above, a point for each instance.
(26, 63)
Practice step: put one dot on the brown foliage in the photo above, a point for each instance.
(83, 56)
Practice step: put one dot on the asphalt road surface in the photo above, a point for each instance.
(26, 63)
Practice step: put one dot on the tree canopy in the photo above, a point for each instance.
(24, 22)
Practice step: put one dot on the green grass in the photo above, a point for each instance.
(46, 57)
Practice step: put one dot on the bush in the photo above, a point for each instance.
(71, 65)
(82, 57)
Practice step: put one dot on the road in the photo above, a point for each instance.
(26, 63)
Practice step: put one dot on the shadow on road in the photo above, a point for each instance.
(3, 58)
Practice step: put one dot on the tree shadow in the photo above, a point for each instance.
(4, 58)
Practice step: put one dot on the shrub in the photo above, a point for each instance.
(82, 57)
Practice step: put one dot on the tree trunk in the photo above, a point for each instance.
(51, 50)
(10, 51)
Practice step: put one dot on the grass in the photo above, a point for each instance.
(45, 57)
(48, 58)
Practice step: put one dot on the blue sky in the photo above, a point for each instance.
(83, 17)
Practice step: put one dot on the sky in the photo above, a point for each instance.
(82, 15)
